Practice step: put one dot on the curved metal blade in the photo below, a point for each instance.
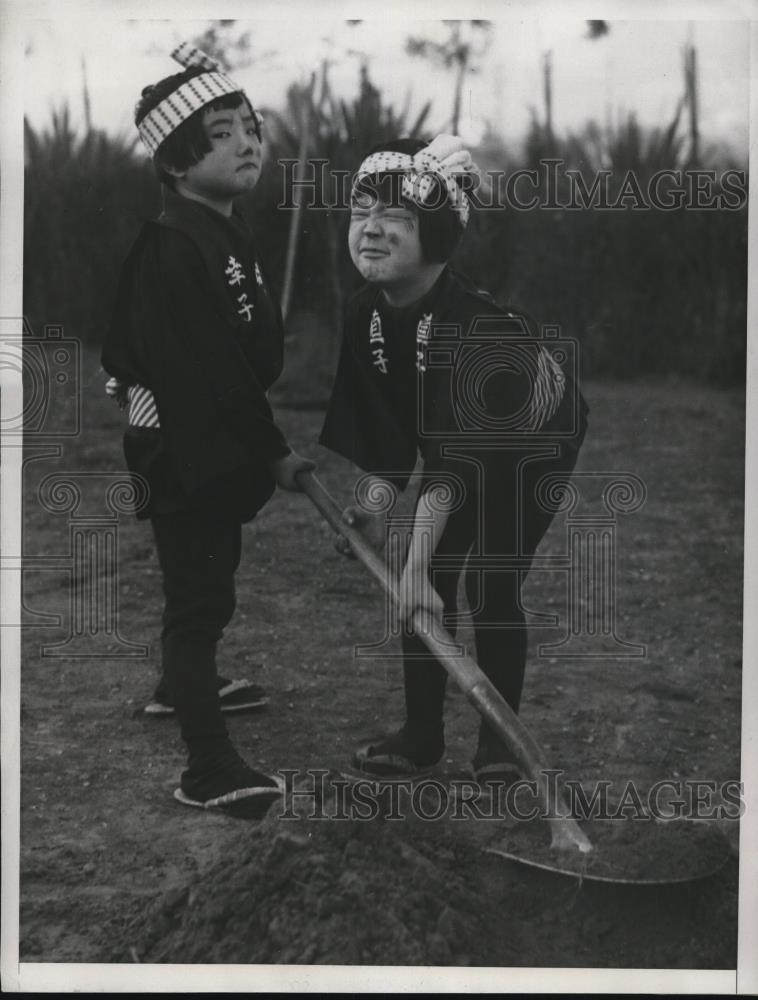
(639, 852)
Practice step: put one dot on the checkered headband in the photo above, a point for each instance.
(442, 159)
(188, 98)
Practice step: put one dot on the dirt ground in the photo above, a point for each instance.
(114, 870)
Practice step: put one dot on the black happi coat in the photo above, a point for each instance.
(196, 324)
(477, 369)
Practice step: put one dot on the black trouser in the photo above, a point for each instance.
(199, 553)
(506, 520)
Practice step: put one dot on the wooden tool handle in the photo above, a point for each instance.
(468, 675)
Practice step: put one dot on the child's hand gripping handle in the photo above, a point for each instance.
(330, 511)
(286, 470)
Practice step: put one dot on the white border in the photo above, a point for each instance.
(354, 979)
(49, 977)
(747, 960)
(11, 403)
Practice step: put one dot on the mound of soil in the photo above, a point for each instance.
(346, 892)
(413, 892)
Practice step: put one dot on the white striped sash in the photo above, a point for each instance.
(139, 404)
(141, 407)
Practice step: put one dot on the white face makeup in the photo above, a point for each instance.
(233, 164)
(384, 241)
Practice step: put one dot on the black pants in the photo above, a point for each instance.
(199, 553)
(505, 520)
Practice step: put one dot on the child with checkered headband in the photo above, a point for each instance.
(195, 343)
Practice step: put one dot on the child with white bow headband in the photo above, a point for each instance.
(445, 158)
(432, 367)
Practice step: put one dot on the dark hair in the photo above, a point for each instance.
(188, 143)
(440, 229)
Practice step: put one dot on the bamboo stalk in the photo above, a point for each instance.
(295, 220)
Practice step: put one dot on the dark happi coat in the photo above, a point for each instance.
(196, 323)
(455, 379)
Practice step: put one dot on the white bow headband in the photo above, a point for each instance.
(444, 158)
(188, 98)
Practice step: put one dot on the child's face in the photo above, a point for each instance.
(233, 164)
(384, 241)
